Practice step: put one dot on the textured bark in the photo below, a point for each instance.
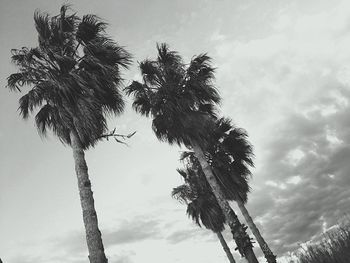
(270, 257)
(226, 248)
(93, 234)
(238, 230)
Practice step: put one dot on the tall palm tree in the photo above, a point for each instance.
(202, 206)
(181, 100)
(74, 81)
(231, 156)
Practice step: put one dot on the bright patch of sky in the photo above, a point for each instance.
(295, 156)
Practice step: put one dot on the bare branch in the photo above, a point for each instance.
(119, 138)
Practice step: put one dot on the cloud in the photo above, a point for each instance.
(123, 256)
(123, 259)
(290, 90)
(188, 234)
(128, 231)
(132, 231)
(25, 259)
(308, 174)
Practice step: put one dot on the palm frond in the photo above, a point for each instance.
(202, 206)
(182, 172)
(193, 211)
(28, 102)
(150, 72)
(208, 109)
(183, 193)
(237, 145)
(201, 69)
(200, 77)
(44, 118)
(78, 88)
(15, 81)
(90, 28)
(42, 25)
(108, 53)
(142, 97)
(167, 58)
(223, 126)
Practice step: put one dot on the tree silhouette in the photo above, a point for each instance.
(181, 99)
(74, 78)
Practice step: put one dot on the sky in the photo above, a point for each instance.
(283, 71)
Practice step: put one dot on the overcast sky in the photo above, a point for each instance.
(283, 70)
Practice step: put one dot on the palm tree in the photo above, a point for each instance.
(74, 79)
(202, 206)
(230, 156)
(181, 100)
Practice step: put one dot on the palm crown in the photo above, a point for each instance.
(74, 75)
(178, 97)
(230, 156)
(202, 206)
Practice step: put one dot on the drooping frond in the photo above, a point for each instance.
(237, 144)
(142, 97)
(207, 211)
(183, 173)
(183, 193)
(28, 102)
(44, 118)
(16, 80)
(202, 206)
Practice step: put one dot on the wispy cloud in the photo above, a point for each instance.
(127, 231)
(135, 230)
(188, 234)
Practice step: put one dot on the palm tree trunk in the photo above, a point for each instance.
(238, 230)
(270, 257)
(225, 247)
(93, 234)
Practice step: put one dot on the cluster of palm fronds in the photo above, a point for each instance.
(333, 248)
(72, 82)
(73, 75)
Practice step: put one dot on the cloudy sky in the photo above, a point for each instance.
(283, 70)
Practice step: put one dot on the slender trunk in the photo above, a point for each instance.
(225, 247)
(93, 234)
(238, 230)
(270, 257)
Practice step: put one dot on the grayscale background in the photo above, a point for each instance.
(283, 70)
